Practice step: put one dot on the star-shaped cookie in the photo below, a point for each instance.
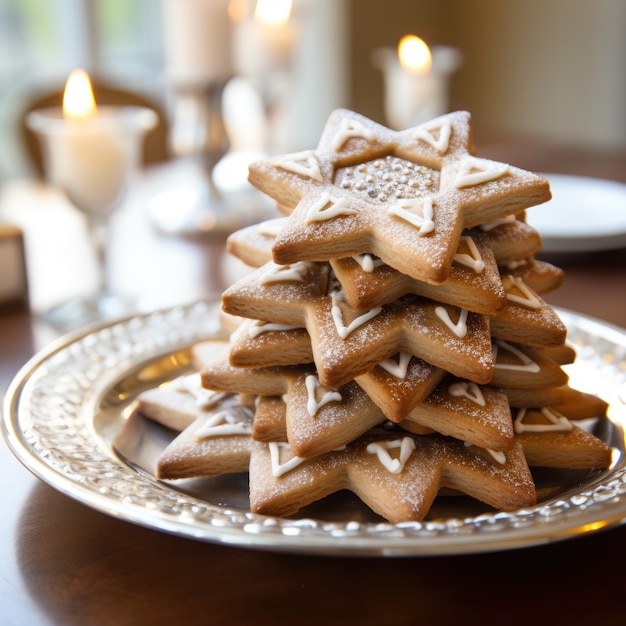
(512, 241)
(526, 319)
(541, 276)
(348, 342)
(319, 418)
(473, 283)
(525, 367)
(550, 439)
(179, 402)
(404, 196)
(398, 475)
(473, 413)
(396, 384)
(217, 442)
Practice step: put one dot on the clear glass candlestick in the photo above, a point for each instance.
(92, 160)
(199, 136)
(211, 196)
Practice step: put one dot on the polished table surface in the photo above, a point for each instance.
(64, 563)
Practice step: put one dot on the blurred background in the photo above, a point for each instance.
(531, 68)
(230, 82)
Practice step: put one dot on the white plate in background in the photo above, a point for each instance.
(584, 215)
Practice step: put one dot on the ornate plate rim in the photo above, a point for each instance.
(91, 473)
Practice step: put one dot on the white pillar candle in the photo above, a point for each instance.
(264, 41)
(89, 151)
(416, 95)
(198, 45)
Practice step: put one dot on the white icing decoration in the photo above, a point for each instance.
(424, 223)
(303, 163)
(526, 365)
(258, 327)
(223, 423)
(527, 299)
(487, 226)
(328, 208)
(278, 468)
(424, 132)
(352, 128)
(381, 450)
(312, 384)
(469, 390)
(342, 329)
(271, 228)
(498, 455)
(472, 260)
(367, 262)
(275, 273)
(475, 171)
(513, 265)
(460, 328)
(399, 369)
(557, 421)
(191, 384)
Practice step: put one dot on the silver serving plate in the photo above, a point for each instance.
(69, 417)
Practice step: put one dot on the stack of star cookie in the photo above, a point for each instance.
(392, 339)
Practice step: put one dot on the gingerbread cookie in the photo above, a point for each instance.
(549, 439)
(216, 443)
(392, 339)
(526, 319)
(474, 281)
(404, 196)
(464, 410)
(396, 384)
(398, 475)
(541, 276)
(347, 342)
(178, 403)
(524, 367)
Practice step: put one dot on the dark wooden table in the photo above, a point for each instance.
(64, 563)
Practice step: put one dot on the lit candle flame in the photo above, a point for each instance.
(78, 99)
(273, 12)
(414, 54)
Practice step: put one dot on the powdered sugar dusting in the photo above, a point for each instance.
(408, 200)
